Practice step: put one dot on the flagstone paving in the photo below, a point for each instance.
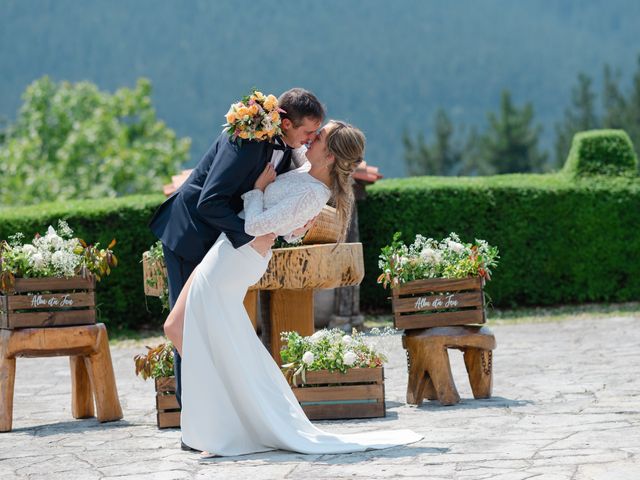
(566, 405)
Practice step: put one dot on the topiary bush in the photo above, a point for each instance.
(120, 297)
(602, 152)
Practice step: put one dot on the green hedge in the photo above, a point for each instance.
(562, 239)
(120, 296)
(602, 152)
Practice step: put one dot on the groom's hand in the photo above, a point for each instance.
(263, 243)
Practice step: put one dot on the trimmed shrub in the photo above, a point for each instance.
(120, 297)
(602, 152)
(560, 240)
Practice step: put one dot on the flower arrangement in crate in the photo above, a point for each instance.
(50, 280)
(335, 375)
(437, 283)
(157, 363)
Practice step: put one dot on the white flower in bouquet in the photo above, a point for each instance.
(29, 249)
(319, 335)
(349, 358)
(431, 255)
(347, 340)
(37, 260)
(455, 246)
(308, 358)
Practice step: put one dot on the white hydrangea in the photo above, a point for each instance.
(347, 340)
(349, 358)
(431, 255)
(455, 246)
(29, 249)
(308, 358)
(37, 260)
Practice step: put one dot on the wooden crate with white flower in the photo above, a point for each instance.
(439, 302)
(325, 395)
(48, 302)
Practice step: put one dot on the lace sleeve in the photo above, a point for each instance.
(284, 217)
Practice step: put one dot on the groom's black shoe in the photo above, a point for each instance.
(187, 448)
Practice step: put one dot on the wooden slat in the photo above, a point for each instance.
(167, 402)
(53, 284)
(439, 285)
(353, 375)
(51, 319)
(344, 411)
(166, 384)
(463, 317)
(168, 419)
(4, 321)
(51, 301)
(345, 392)
(425, 303)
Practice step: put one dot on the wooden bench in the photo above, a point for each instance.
(91, 369)
(428, 361)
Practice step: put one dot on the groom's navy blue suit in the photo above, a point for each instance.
(190, 221)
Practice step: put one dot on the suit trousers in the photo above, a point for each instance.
(178, 271)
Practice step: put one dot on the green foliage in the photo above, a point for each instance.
(561, 240)
(510, 144)
(605, 152)
(121, 300)
(444, 157)
(72, 141)
(157, 363)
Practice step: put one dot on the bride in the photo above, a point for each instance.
(243, 404)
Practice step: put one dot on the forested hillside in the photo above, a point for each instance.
(386, 66)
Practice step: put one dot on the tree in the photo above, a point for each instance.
(444, 157)
(579, 116)
(72, 141)
(510, 144)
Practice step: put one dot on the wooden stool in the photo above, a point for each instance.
(429, 369)
(91, 370)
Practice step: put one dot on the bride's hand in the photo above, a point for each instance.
(267, 176)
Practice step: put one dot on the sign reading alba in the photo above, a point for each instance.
(51, 300)
(440, 302)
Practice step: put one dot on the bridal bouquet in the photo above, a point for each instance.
(429, 258)
(331, 350)
(255, 117)
(56, 254)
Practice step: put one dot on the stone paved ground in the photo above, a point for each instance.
(566, 406)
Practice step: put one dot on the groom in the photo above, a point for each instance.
(189, 222)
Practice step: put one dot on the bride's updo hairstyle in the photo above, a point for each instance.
(346, 143)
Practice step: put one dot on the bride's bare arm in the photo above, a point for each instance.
(174, 325)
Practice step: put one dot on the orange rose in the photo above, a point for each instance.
(270, 102)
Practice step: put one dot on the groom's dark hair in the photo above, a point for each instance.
(298, 104)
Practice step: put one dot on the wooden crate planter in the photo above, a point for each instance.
(439, 302)
(359, 393)
(48, 302)
(154, 272)
(166, 403)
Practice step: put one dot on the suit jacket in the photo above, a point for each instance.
(208, 202)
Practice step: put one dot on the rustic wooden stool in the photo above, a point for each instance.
(429, 369)
(91, 370)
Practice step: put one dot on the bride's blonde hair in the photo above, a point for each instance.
(346, 143)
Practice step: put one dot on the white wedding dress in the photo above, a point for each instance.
(235, 400)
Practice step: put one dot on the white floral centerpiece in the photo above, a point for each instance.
(331, 350)
(429, 258)
(56, 254)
